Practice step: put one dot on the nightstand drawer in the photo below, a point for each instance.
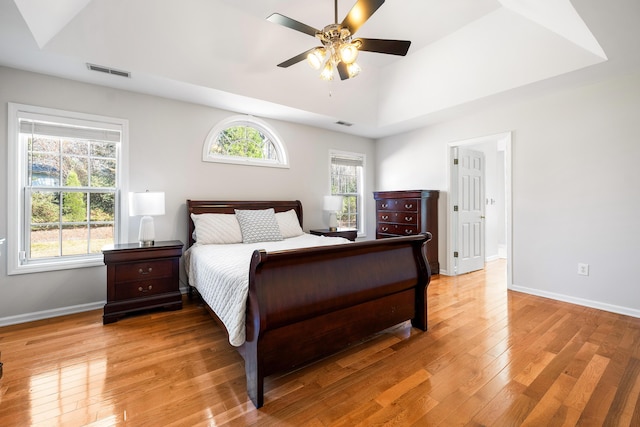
(143, 270)
(143, 288)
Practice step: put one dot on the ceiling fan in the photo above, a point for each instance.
(339, 49)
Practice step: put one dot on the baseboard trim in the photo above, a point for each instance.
(579, 301)
(56, 312)
(48, 314)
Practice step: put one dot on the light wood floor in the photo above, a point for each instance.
(490, 358)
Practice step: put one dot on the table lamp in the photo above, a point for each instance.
(146, 204)
(333, 204)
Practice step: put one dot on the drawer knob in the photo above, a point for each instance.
(385, 228)
(408, 218)
(141, 289)
(141, 271)
(408, 206)
(385, 205)
(385, 217)
(408, 231)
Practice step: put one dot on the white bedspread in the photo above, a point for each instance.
(221, 275)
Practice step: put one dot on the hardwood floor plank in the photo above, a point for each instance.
(550, 403)
(626, 397)
(578, 397)
(499, 404)
(401, 387)
(490, 357)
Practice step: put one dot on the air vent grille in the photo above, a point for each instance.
(342, 123)
(107, 70)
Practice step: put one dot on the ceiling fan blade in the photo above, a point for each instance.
(342, 70)
(359, 14)
(285, 21)
(295, 59)
(392, 47)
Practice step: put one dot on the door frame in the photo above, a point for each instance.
(504, 143)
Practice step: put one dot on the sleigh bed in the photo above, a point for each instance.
(304, 304)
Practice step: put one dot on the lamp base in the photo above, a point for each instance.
(146, 235)
(333, 222)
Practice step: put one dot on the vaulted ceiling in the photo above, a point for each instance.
(464, 54)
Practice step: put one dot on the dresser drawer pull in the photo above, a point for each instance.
(141, 289)
(408, 205)
(141, 271)
(384, 205)
(408, 218)
(408, 231)
(385, 217)
(385, 228)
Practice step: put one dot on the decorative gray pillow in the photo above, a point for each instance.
(258, 225)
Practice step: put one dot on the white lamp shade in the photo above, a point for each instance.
(332, 203)
(147, 203)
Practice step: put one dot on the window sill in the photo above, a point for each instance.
(42, 267)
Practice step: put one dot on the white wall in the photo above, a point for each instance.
(165, 151)
(575, 187)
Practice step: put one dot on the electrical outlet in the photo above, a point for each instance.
(583, 269)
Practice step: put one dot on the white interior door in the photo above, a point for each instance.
(470, 210)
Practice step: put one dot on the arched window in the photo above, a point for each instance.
(245, 140)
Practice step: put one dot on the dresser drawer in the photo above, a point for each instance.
(398, 229)
(143, 270)
(398, 217)
(398, 205)
(143, 288)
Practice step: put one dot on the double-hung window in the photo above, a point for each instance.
(347, 178)
(65, 178)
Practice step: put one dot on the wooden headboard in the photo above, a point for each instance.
(225, 207)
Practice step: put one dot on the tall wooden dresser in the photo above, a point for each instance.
(403, 213)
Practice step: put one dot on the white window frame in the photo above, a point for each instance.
(361, 187)
(245, 120)
(17, 169)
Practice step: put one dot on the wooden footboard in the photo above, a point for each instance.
(309, 303)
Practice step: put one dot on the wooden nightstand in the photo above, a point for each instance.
(141, 278)
(347, 233)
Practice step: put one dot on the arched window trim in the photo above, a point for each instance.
(245, 120)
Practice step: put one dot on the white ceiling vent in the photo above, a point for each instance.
(107, 70)
(342, 123)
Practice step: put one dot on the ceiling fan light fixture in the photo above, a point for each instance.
(353, 69)
(315, 58)
(339, 48)
(349, 53)
(327, 72)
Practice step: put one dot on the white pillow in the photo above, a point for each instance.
(216, 228)
(289, 224)
(258, 225)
